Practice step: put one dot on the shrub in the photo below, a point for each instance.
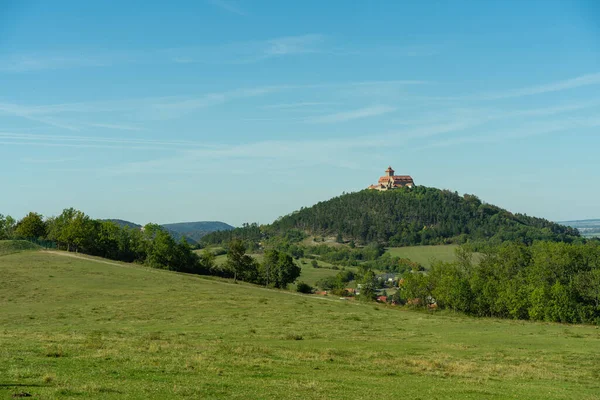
(303, 287)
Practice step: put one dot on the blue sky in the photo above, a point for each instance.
(242, 111)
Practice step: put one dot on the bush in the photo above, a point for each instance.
(303, 287)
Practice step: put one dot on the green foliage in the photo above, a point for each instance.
(305, 288)
(419, 216)
(16, 246)
(249, 233)
(239, 263)
(7, 227)
(32, 226)
(278, 269)
(547, 281)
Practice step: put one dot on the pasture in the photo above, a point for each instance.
(425, 255)
(79, 328)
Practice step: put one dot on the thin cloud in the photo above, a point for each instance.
(75, 140)
(294, 45)
(120, 127)
(366, 112)
(234, 53)
(580, 81)
(39, 62)
(228, 6)
(28, 160)
(527, 130)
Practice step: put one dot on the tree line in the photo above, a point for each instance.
(556, 282)
(151, 245)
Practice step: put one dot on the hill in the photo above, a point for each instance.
(419, 216)
(192, 231)
(125, 224)
(98, 329)
(196, 230)
(587, 227)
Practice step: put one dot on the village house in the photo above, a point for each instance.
(391, 181)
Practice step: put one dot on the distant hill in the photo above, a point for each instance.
(196, 230)
(192, 231)
(124, 224)
(587, 227)
(405, 217)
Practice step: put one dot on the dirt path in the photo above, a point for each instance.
(159, 271)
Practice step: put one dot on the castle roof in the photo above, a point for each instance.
(396, 178)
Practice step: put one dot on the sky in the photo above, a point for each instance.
(244, 111)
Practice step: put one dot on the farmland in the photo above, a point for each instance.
(91, 328)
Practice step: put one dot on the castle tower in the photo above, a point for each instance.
(389, 171)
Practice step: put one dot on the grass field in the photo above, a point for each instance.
(72, 328)
(425, 255)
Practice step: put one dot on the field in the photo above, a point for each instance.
(74, 328)
(425, 255)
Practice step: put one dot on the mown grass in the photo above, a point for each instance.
(75, 329)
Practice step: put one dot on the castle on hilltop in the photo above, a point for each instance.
(390, 181)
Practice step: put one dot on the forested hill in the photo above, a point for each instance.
(192, 231)
(420, 215)
(195, 230)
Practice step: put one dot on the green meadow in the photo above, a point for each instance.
(425, 255)
(80, 328)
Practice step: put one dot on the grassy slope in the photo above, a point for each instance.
(74, 328)
(15, 246)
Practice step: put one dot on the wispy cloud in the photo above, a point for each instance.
(294, 45)
(580, 81)
(45, 61)
(520, 131)
(96, 142)
(242, 52)
(29, 160)
(299, 105)
(344, 116)
(228, 6)
(120, 127)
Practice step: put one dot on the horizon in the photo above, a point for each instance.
(239, 111)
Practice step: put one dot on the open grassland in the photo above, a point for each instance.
(310, 274)
(72, 328)
(426, 255)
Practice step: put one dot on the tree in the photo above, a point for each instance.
(207, 261)
(239, 263)
(73, 229)
(32, 226)
(7, 227)
(278, 269)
